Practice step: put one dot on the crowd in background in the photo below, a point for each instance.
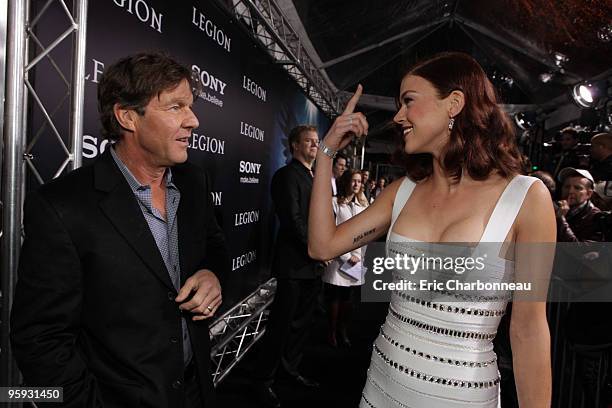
(579, 178)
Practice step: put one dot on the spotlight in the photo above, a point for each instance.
(560, 59)
(525, 120)
(587, 94)
(500, 79)
(604, 34)
(546, 77)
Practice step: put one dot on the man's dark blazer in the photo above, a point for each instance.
(94, 307)
(291, 188)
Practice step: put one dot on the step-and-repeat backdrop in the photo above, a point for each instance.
(246, 109)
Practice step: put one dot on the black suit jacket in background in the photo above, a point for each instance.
(94, 307)
(291, 188)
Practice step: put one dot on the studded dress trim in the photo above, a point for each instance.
(470, 311)
(429, 356)
(471, 298)
(385, 393)
(367, 402)
(441, 330)
(452, 382)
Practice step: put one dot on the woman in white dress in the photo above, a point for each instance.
(340, 285)
(464, 185)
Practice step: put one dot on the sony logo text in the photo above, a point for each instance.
(93, 146)
(209, 82)
(249, 168)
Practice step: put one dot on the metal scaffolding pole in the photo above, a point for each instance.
(268, 26)
(13, 174)
(78, 83)
(16, 155)
(237, 330)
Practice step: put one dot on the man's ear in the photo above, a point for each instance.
(457, 102)
(125, 117)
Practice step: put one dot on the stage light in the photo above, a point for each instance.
(525, 120)
(604, 34)
(560, 59)
(546, 77)
(500, 79)
(587, 94)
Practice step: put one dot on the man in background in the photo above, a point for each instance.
(380, 186)
(601, 155)
(298, 275)
(568, 157)
(576, 213)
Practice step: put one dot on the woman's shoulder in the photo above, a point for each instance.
(528, 185)
(389, 192)
(536, 218)
(537, 193)
(397, 184)
(501, 182)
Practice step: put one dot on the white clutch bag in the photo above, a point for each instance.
(353, 272)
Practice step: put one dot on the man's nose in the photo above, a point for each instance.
(191, 121)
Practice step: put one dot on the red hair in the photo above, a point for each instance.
(483, 139)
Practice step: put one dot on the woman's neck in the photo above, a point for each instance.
(347, 198)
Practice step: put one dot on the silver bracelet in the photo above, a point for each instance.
(327, 151)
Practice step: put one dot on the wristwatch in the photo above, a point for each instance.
(327, 151)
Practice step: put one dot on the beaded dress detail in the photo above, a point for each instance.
(435, 348)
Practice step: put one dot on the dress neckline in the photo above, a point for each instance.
(487, 226)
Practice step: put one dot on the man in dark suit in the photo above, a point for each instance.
(117, 270)
(298, 275)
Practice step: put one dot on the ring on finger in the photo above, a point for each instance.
(209, 308)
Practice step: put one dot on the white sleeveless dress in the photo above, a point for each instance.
(436, 351)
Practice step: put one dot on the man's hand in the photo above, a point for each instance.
(207, 296)
(563, 208)
(354, 259)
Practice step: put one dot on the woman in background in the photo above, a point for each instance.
(339, 286)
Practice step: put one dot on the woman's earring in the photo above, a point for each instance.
(451, 123)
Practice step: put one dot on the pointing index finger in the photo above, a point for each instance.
(352, 103)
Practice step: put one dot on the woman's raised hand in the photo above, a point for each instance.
(347, 125)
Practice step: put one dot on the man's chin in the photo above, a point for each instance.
(178, 159)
